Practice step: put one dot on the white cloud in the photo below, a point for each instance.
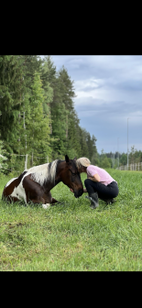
(108, 90)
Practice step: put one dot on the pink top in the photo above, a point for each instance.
(105, 177)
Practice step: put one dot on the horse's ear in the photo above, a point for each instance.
(67, 158)
(75, 158)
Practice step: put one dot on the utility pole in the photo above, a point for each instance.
(127, 146)
(118, 151)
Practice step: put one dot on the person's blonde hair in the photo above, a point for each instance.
(82, 161)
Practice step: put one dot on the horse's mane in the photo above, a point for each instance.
(52, 168)
(44, 173)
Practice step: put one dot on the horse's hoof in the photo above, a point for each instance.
(46, 205)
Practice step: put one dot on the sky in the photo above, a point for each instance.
(108, 98)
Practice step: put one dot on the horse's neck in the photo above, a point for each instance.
(58, 177)
(49, 184)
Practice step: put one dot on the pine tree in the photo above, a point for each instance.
(70, 117)
(73, 138)
(11, 89)
(58, 116)
(83, 144)
(37, 114)
(123, 159)
(37, 124)
(58, 113)
(48, 90)
(91, 144)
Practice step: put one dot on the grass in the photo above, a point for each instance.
(72, 236)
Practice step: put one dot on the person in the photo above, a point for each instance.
(99, 183)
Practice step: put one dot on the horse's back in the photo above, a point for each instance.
(13, 189)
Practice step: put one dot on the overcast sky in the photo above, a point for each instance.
(109, 91)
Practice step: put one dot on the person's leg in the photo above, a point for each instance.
(104, 192)
(112, 192)
(93, 196)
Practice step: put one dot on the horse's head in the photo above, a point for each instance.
(71, 177)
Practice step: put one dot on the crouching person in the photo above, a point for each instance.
(99, 183)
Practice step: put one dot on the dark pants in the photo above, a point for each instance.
(104, 192)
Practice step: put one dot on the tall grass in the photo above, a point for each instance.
(72, 236)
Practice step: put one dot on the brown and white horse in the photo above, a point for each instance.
(35, 183)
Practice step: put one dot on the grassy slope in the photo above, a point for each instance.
(72, 236)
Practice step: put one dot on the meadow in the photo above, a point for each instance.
(71, 236)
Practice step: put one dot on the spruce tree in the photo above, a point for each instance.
(58, 116)
(37, 124)
(11, 90)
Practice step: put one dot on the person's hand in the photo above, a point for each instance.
(95, 178)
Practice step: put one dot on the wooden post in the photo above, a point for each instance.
(32, 158)
(26, 161)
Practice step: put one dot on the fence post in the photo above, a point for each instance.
(132, 167)
(26, 161)
(32, 158)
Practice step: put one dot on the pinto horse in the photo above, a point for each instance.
(35, 183)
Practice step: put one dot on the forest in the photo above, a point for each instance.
(38, 117)
(37, 114)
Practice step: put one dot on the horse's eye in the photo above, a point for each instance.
(72, 173)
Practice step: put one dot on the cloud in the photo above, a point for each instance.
(108, 90)
(108, 110)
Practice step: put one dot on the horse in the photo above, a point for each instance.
(34, 184)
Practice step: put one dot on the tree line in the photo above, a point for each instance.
(37, 114)
(114, 160)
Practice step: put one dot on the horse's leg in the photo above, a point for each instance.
(49, 199)
(46, 200)
(34, 192)
(37, 200)
(53, 201)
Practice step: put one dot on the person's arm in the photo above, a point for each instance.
(95, 178)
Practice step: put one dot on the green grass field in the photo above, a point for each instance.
(72, 236)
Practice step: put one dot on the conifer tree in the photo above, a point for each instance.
(58, 116)
(11, 89)
(37, 114)
(37, 124)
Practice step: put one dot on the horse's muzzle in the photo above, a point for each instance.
(78, 193)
